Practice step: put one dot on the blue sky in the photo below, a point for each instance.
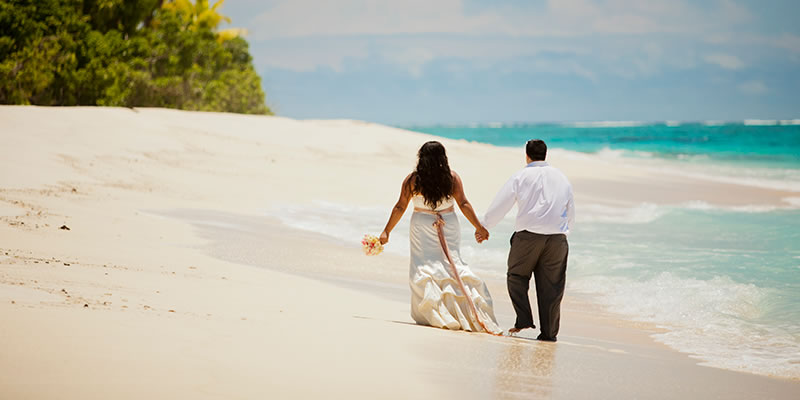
(451, 61)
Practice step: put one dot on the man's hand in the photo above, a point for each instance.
(384, 237)
(481, 234)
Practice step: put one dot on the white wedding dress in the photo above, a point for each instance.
(437, 298)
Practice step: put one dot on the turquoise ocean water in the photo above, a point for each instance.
(774, 144)
(724, 282)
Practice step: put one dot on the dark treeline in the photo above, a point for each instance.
(131, 53)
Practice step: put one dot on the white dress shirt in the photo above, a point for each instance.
(544, 201)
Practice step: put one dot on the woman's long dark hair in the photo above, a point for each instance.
(432, 178)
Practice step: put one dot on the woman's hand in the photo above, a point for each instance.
(481, 234)
(384, 237)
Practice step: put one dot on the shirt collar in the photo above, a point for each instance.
(537, 164)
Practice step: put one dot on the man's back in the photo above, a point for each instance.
(544, 200)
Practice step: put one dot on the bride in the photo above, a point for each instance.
(444, 291)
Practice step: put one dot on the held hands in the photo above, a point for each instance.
(384, 238)
(481, 234)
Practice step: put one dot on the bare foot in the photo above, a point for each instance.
(512, 331)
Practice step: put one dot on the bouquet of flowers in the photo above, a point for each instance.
(372, 245)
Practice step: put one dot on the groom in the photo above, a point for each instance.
(545, 214)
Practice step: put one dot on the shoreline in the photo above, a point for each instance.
(226, 245)
(589, 324)
(128, 303)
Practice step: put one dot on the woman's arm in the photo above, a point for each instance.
(481, 233)
(398, 210)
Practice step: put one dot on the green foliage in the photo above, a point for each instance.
(131, 53)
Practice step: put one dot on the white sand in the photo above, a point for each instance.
(143, 310)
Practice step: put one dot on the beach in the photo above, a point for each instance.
(153, 253)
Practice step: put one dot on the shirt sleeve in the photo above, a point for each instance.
(570, 211)
(501, 204)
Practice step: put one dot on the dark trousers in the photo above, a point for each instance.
(544, 257)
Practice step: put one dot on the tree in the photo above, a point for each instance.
(37, 47)
(126, 16)
(200, 16)
(129, 53)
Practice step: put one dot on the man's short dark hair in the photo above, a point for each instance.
(536, 149)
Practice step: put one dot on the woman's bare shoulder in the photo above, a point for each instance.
(456, 177)
(408, 182)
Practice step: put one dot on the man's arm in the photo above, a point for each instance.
(570, 211)
(501, 204)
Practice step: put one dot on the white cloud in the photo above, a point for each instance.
(310, 54)
(568, 66)
(629, 24)
(409, 53)
(560, 18)
(628, 38)
(726, 61)
(733, 12)
(413, 58)
(788, 42)
(753, 87)
(302, 18)
(616, 16)
(785, 41)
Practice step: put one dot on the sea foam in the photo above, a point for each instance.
(641, 214)
(343, 223)
(710, 319)
(761, 122)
